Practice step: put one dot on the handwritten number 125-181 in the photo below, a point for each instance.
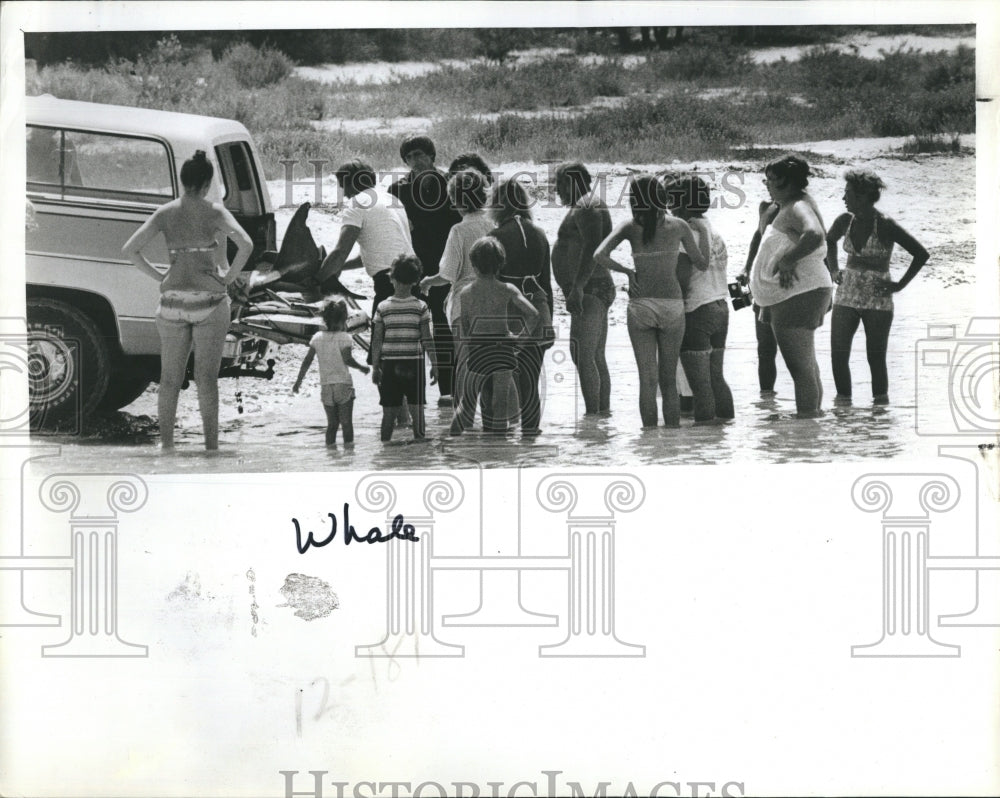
(400, 530)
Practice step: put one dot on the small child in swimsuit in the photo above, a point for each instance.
(486, 343)
(333, 346)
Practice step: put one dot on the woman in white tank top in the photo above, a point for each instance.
(790, 280)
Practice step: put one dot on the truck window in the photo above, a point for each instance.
(99, 166)
(44, 155)
(239, 178)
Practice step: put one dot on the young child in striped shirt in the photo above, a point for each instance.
(333, 346)
(401, 334)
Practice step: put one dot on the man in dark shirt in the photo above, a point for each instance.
(424, 194)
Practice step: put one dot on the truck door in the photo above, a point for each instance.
(243, 196)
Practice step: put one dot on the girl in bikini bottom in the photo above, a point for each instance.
(655, 312)
(189, 307)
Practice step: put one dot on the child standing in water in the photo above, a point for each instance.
(401, 333)
(333, 346)
(486, 344)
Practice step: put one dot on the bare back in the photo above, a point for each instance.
(656, 261)
(196, 242)
(485, 306)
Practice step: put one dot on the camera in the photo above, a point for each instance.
(740, 294)
(958, 379)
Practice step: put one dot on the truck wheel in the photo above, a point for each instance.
(124, 387)
(68, 362)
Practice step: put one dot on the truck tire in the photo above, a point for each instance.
(68, 363)
(124, 387)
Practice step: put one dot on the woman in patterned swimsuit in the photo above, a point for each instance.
(194, 305)
(865, 287)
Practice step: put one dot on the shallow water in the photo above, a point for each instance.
(279, 431)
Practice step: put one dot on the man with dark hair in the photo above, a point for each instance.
(369, 219)
(424, 195)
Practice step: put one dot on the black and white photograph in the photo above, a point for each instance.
(598, 155)
(495, 399)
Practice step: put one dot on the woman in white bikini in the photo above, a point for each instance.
(790, 281)
(865, 287)
(194, 305)
(656, 304)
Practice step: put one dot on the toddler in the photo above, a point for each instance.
(333, 345)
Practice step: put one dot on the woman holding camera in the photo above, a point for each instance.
(865, 287)
(790, 281)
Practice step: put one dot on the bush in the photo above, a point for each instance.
(691, 62)
(170, 77)
(255, 68)
(932, 142)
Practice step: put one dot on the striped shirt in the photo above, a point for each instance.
(402, 319)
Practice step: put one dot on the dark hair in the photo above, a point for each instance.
(790, 169)
(471, 160)
(688, 194)
(422, 143)
(487, 256)
(467, 190)
(406, 269)
(197, 171)
(510, 199)
(356, 174)
(577, 175)
(648, 199)
(865, 181)
(334, 314)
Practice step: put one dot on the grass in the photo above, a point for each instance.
(662, 107)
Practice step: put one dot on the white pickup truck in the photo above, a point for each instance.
(94, 174)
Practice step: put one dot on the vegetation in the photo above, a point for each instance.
(932, 142)
(342, 46)
(687, 102)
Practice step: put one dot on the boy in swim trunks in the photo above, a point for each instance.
(333, 346)
(401, 334)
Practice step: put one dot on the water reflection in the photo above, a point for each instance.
(281, 432)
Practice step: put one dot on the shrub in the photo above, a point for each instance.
(255, 68)
(932, 142)
(694, 62)
(170, 77)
